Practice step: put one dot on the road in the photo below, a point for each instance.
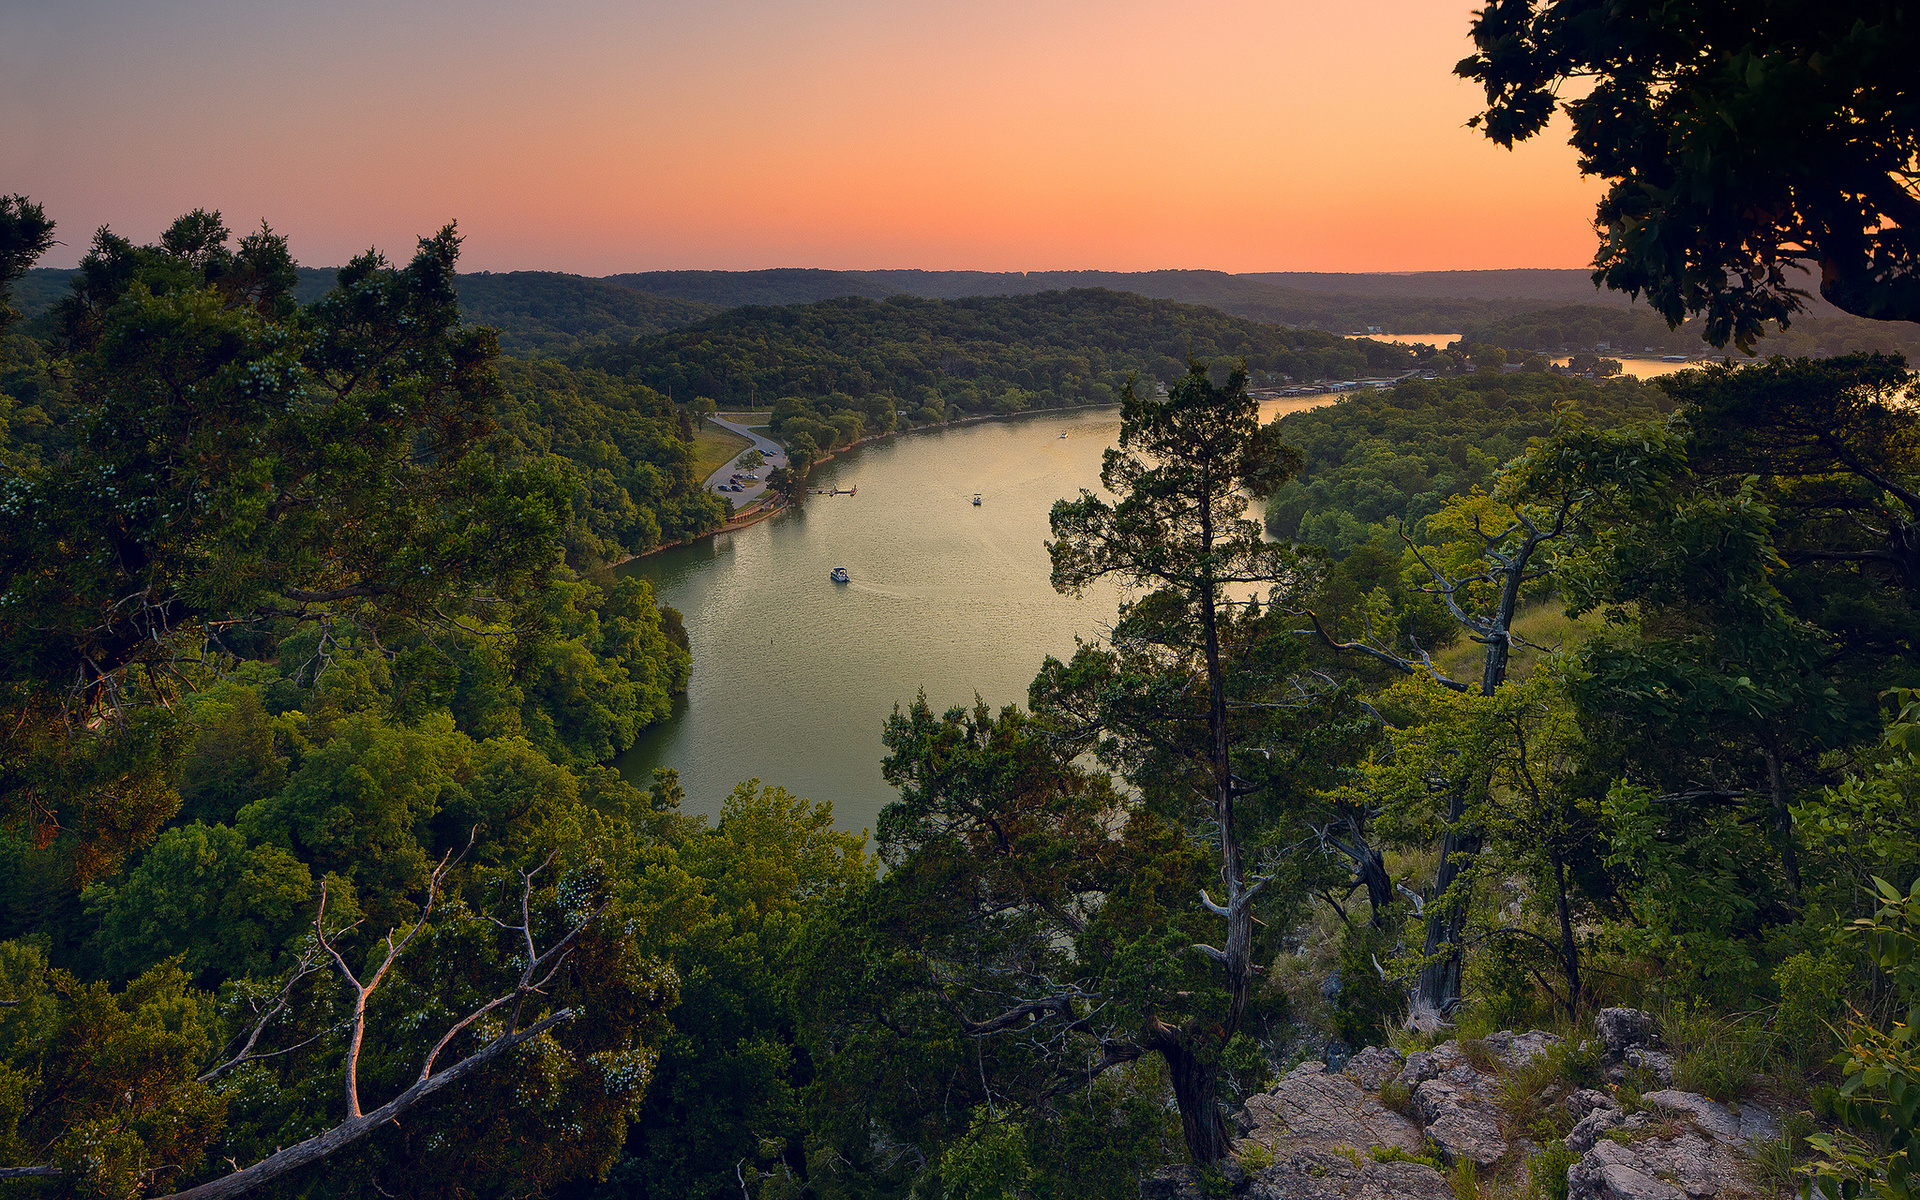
(768, 448)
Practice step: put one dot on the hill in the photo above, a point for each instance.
(931, 360)
(1638, 331)
(536, 312)
(731, 289)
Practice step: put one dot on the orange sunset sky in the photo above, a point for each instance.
(598, 136)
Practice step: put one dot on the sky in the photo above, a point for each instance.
(597, 137)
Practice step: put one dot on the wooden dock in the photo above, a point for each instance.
(833, 491)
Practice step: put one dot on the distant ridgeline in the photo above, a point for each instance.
(933, 360)
(1377, 457)
(1634, 331)
(550, 313)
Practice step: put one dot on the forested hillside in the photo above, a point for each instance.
(1375, 458)
(938, 359)
(1638, 331)
(314, 879)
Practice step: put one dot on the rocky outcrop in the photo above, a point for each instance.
(1326, 1132)
(1344, 1178)
(1322, 1131)
(1314, 1110)
(1679, 1146)
(1374, 1066)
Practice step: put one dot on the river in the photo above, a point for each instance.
(794, 676)
(1638, 368)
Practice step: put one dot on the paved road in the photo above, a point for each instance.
(769, 449)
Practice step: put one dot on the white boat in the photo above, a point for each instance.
(839, 575)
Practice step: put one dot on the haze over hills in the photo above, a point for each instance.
(553, 313)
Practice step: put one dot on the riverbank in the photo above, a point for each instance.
(754, 515)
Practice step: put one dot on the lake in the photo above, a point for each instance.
(1639, 368)
(794, 676)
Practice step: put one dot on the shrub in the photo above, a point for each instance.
(1547, 1171)
(1809, 997)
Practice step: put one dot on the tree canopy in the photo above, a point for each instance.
(1745, 144)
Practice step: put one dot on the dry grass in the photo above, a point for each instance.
(1544, 625)
(714, 447)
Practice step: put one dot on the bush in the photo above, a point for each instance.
(1810, 990)
(1547, 1172)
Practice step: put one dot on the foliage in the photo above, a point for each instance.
(623, 450)
(1882, 1091)
(1373, 458)
(932, 361)
(1739, 142)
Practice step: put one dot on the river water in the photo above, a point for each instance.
(794, 676)
(1638, 368)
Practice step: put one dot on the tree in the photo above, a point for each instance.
(25, 234)
(243, 460)
(1740, 141)
(1182, 473)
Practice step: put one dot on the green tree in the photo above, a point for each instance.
(1740, 141)
(1182, 473)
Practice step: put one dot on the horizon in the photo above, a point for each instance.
(600, 138)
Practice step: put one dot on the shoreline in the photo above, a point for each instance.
(771, 510)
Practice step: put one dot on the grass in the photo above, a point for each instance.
(1545, 625)
(714, 447)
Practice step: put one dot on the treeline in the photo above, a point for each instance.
(1636, 331)
(1374, 459)
(937, 360)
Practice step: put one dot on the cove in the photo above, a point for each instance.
(794, 676)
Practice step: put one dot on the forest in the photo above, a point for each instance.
(934, 359)
(1483, 704)
(1639, 331)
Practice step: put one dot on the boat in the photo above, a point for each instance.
(976, 499)
(1063, 437)
(839, 575)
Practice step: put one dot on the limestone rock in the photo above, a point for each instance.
(1742, 1123)
(1423, 1065)
(1654, 1062)
(1687, 1167)
(1329, 1176)
(1611, 1171)
(1313, 1110)
(1374, 1066)
(1621, 1029)
(1585, 1101)
(1516, 1050)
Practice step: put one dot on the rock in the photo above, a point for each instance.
(1423, 1065)
(1338, 1177)
(1611, 1171)
(1741, 1123)
(1600, 1122)
(1586, 1101)
(1172, 1183)
(1310, 1110)
(1687, 1167)
(1655, 1063)
(1621, 1029)
(1458, 1109)
(1183, 1183)
(1374, 1066)
(1516, 1050)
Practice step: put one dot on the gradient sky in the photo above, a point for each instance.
(598, 137)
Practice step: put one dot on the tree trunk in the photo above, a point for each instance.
(1782, 800)
(1439, 987)
(1195, 1088)
(1569, 948)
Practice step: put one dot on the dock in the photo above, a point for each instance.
(833, 491)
